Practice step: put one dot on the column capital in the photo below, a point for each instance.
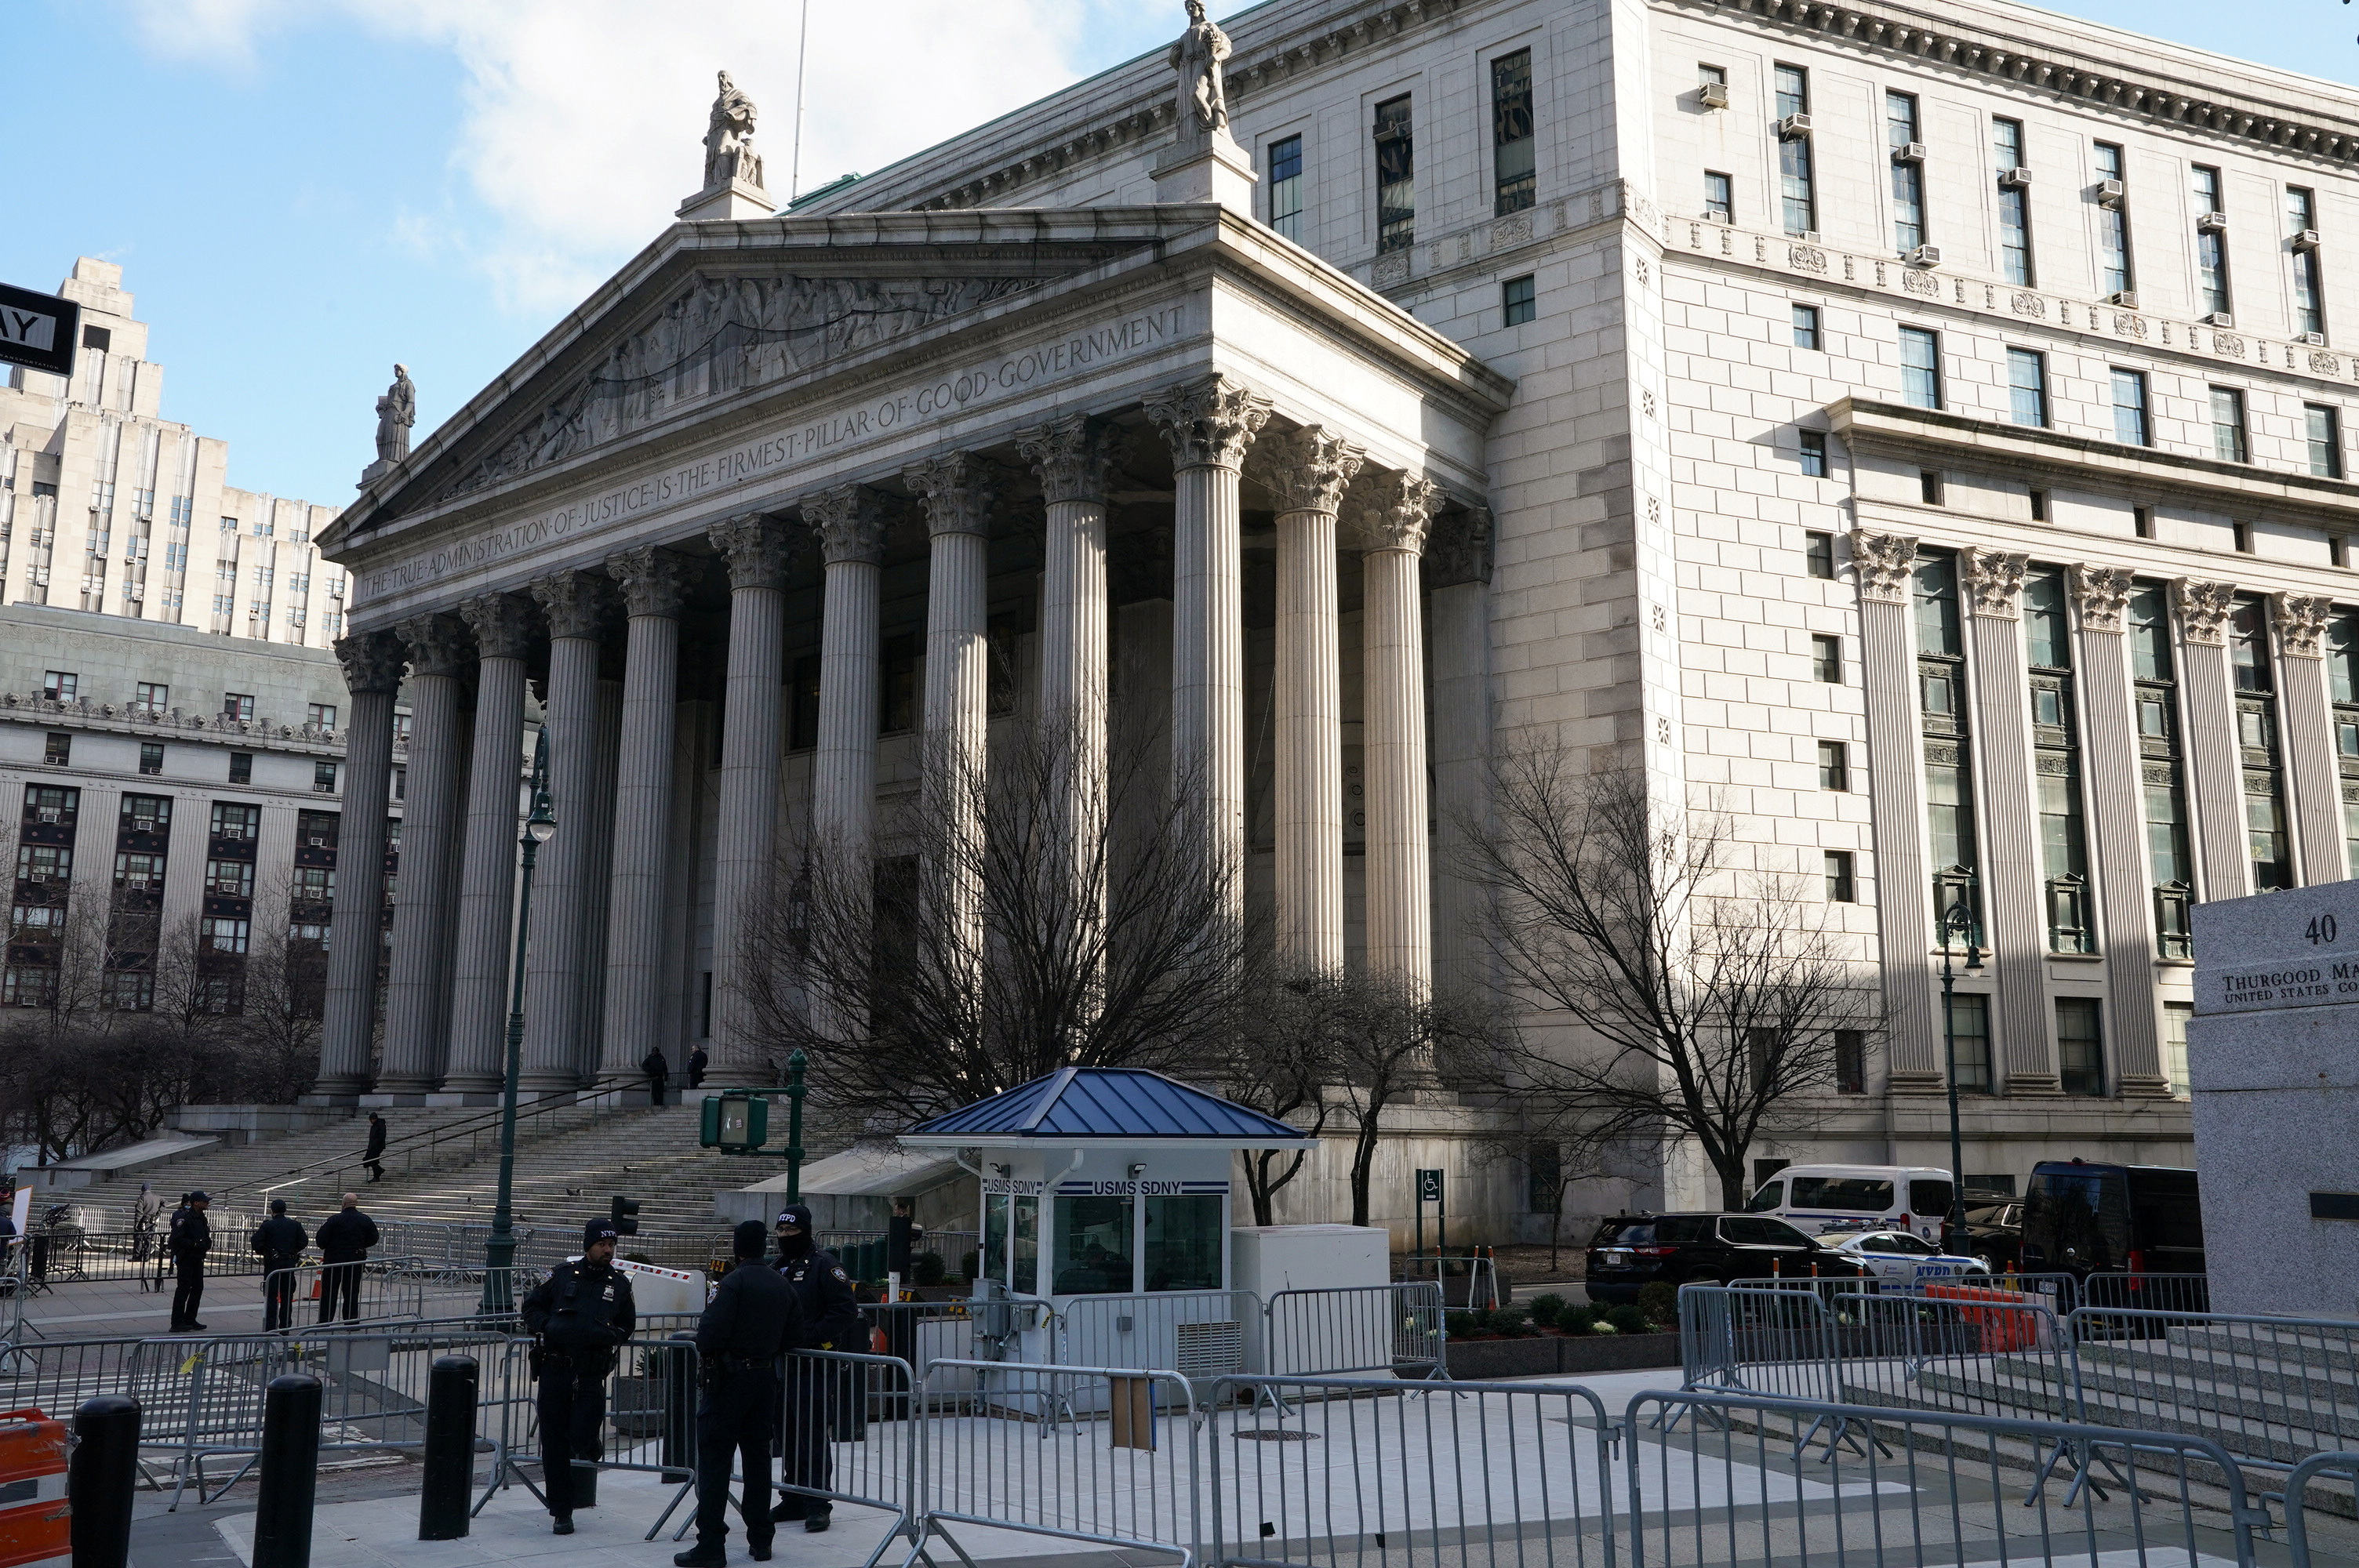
(2101, 594)
(1210, 422)
(2301, 624)
(654, 581)
(1073, 456)
(438, 643)
(1307, 469)
(2205, 609)
(1995, 581)
(956, 491)
(1459, 549)
(760, 549)
(371, 661)
(1884, 562)
(577, 603)
(502, 623)
(849, 521)
(1393, 511)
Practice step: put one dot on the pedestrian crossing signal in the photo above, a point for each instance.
(625, 1213)
(735, 1123)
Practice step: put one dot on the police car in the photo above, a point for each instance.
(1900, 1258)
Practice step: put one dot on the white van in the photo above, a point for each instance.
(1816, 1199)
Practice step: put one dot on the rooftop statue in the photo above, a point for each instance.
(1198, 57)
(396, 411)
(728, 138)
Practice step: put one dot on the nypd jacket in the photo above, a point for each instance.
(753, 1315)
(581, 1308)
(279, 1240)
(831, 1314)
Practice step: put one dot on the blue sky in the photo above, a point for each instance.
(303, 191)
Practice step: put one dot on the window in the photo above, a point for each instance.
(97, 337)
(58, 686)
(2243, 533)
(229, 878)
(1819, 551)
(1513, 144)
(313, 884)
(238, 705)
(2013, 202)
(2321, 429)
(128, 991)
(2301, 230)
(139, 874)
(2113, 222)
(1812, 448)
(321, 716)
(151, 699)
(1826, 658)
(1090, 1247)
(1181, 1247)
(2175, 1015)
(1286, 187)
(1396, 140)
(241, 767)
(44, 863)
(151, 756)
(2210, 242)
(1949, 759)
(1851, 1062)
(50, 806)
(2169, 863)
(2265, 831)
(235, 821)
(324, 778)
(219, 934)
(1969, 1025)
(2039, 500)
(1834, 765)
(1920, 367)
(1806, 328)
(2228, 425)
(2027, 387)
(2055, 752)
(28, 985)
(147, 813)
(1901, 137)
(1519, 301)
(897, 688)
(1795, 186)
(1928, 487)
(1840, 886)
(56, 749)
(1712, 75)
(2130, 425)
(2080, 1046)
(1719, 197)
(2142, 522)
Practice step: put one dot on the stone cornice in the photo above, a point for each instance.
(1951, 41)
(248, 734)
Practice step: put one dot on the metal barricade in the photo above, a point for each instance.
(379, 1289)
(1108, 1455)
(1396, 1328)
(853, 1423)
(922, 1332)
(2272, 1390)
(1782, 1342)
(1472, 1282)
(58, 1374)
(1198, 1334)
(2143, 1296)
(1955, 1348)
(1336, 1470)
(1920, 1488)
(2300, 1527)
(650, 1419)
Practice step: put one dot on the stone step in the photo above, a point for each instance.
(2040, 1394)
(2312, 1378)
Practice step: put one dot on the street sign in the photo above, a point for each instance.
(37, 331)
(1429, 1188)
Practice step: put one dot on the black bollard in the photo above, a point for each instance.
(291, 1462)
(100, 1476)
(450, 1389)
(679, 1408)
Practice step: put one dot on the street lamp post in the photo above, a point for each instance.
(1957, 921)
(499, 1252)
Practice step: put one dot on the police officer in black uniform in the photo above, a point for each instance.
(754, 1315)
(191, 1239)
(577, 1317)
(279, 1242)
(830, 1321)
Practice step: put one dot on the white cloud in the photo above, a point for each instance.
(584, 118)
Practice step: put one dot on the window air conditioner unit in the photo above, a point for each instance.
(135, 593)
(1909, 152)
(2111, 192)
(2306, 239)
(2213, 223)
(1925, 255)
(2312, 340)
(1792, 126)
(2127, 299)
(2219, 318)
(52, 814)
(2015, 179)
(1712, 96)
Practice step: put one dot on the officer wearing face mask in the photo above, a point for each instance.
(830, 1321)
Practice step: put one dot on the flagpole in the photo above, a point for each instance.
(795, 160)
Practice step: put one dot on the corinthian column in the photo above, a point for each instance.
(371, 661)
(1305, 472)
(479, 1000)
(653, 580)
(579, 605)
(2219, 770)
(957, 493)
(1398, 509)
(2308, 712)
(1210, 424)
(850, 522)
(418, 992)
(759, 552)
(1075, 460)
(1904, 927)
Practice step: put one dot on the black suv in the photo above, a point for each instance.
(1633, 1251)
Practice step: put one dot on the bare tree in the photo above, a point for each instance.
(1107, 937)
(1281, 1065)
(1708, 1002)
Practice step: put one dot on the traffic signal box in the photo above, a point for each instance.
(735, 1123)
(625, 1214)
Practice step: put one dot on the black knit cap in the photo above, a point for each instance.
(278, 1205)
(749, 1239)
(597, 1231)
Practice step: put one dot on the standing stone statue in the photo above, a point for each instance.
(396, 411)
(728, 138)
(1198, 57)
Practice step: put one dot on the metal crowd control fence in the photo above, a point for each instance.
(59, 1374)
(1974, 1353)
(1781, 1342)
(1396, 1328)
(1334, 1470)
(866, 1415)
(392, 1287)
(2297, 1522)
(2141, 1295)
(1198, 1334)
(2272, 1390)
(1922, 1487)
(1463, 1282)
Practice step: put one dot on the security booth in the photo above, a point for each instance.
(1106, 1218)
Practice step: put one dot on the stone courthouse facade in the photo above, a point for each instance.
(1918, 431)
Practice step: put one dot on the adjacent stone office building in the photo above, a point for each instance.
(170, 744)
(1920, 433)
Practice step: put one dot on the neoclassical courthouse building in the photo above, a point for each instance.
(1918, 431)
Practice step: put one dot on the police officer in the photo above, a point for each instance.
(191, 1239)
(830, 1321)
(280, 1242)
(754, 1315)
(577, 1317)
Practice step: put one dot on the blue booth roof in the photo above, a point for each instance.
(1125, 1105)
